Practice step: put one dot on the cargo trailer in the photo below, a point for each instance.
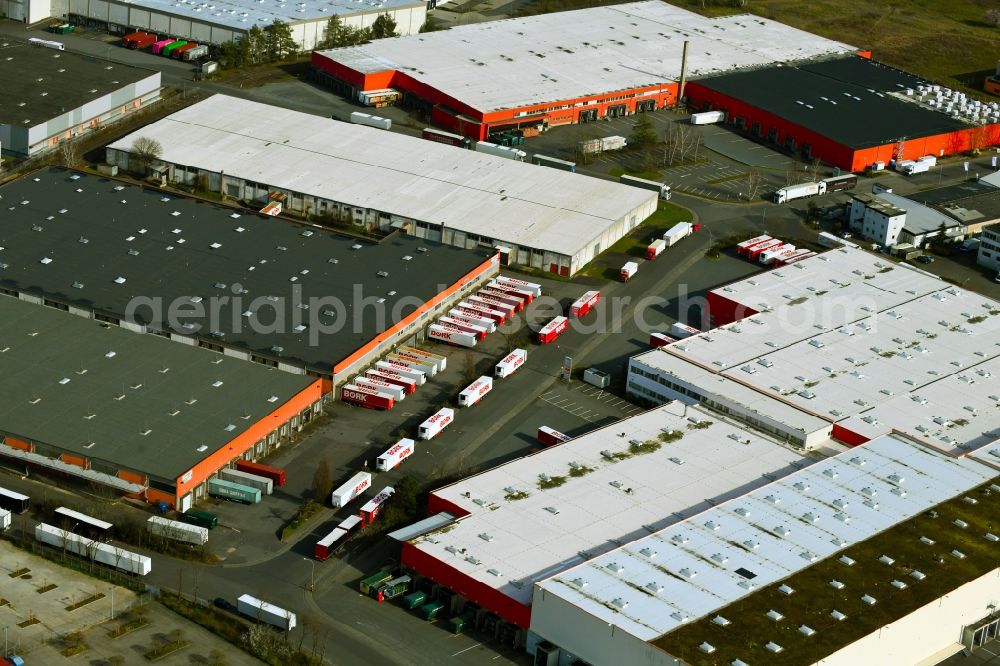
(510, 363)
(408, 385)
(613, 143)
(914, 168)
(440, 362)
(523, 294)
(753, 254)
(81, 523)
(487, 325)
(5, 519)
(261, 611)
(662, 189)
(354, 486)
(379, 98)
(451, 335)
(785, 259)
(550, 436)
(475, 391)
(177, 531)
(546, 161)
(744, 247)
(628, 271)
(396, 454)
(799, 257)
(414, 600)
(478, 331)
(157, 47)
(372, 508)
(799, 191)
(535, 289)
(394, 588)
(13, 502)
(261, 483)
(201, 518)
(374, 581)
(840, 183)
(553, 330)
(500, 151)
(430, 611)
(276, 474)
(708, 117)
(482, 309)
(514, 301)
(179, 52)
(191, 55)
(143, 42)
(171, 47)
(677, 232)
(369, 120)
(493, 304)
(427, 366)
(584, 304)
(366, 397)
(433, 426)
(929, 160)
(659, 339)
(348, 524)
(655, 248)
(448, 138)
(132, 36)
(325, 546)
(236, 492)
(680, 331)
(403, 370)
(768, 256)
(93, 550)
(396, 392)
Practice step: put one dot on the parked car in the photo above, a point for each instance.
(925, 259)
(222, 604)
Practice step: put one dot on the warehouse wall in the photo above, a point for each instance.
(722, 310)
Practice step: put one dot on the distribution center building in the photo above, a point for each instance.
(535, 216)
(293, 296)
(563, 67)
(137, 413)
(844, 344)
(51, 96)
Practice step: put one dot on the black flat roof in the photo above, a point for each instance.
(38, 84)
(103, 245)
(845, 100)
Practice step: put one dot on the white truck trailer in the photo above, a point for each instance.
(378, 122)
(677, 232)
(176, 530)
(356, 485)
(662, 189)
(799, 191)
(261, 611)
(500, 151)
(707, 117)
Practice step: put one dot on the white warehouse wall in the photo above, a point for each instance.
(925, 631)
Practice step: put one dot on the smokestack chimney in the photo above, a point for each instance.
(684, 67)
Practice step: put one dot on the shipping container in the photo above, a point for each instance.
(448, 138)
(261, 483)
(81, 523)
(707, 117)
(655, 248)
(550, 436)
(329, 543)
(440, 362)
(482, 309)
(510, 363)
(5, 519)
(377, 122)
(380, 386)
(585, 304)
(414, 600)
(535, 289)
(662, 189)
(176, 530)
(93, 550)
(659, 339)
(840, 183)
(157, 47)
(372, 508)
(483, 322)
(768, 256)
(680, 331)
(393, 588)
(514, 301)
(546, 161)
(354, 486)
(523, 294)
(408, 385)
(143, 42)
(677, 232)
(366, 397)
(451, 335)
(276, 474)
(433, 426)
(173, 46)
(402, 369)
(744, 247)
(396, 454)
(475, 391)
(753, 253)
(13, 502)
(553, 330)
(201, 518)
(428, 367)
(373, 581)
(500, 151)
(199, 51)
(237, 492)
(379, 98)
(799, 191)
(180, 51)
(628, 271)
(261, 611)
(493, 304)
(478, 331)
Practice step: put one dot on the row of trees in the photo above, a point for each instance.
(337, 34)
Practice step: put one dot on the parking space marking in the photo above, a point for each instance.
(466, 649)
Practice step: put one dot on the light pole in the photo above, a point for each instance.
(312, 573)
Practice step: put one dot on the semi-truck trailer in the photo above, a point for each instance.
(799, 191)
(662, 189)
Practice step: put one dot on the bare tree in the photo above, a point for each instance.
(754, 184)
(145, 152)
(69, 153)
(322, 484)
(814, 168)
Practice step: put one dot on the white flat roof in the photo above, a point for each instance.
(501, 199)
(854, 339)
(244, 14)
(565, 55)
(510, 543)
(770, 533)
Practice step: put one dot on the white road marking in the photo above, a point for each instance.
(466, 649)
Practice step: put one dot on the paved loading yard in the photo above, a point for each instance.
(42, 597)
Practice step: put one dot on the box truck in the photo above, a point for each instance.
(261, 483)
(553, 330)
(380, 386)
(912, 168)
(377, 122)
(677, 232)
(261, 611)
(451, 335)
(354, 486)
(408, 385)
(679, 330)
(475, 391)
(369, 512)
(535, 289)
(628, 271)
(176, 530)
(662, 189)
(433, 426)
(655, 248)
(585, 303)
(799, 191)
(510, 363)
(396, 454)
(768, 256)
(366, 397)
(500, 151)
(550, 437)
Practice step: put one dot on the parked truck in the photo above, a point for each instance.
(799, 191)
(351, 489)
(510, 363)
(408, 385)
(451, 335)
(910, 167)
(553, 330)
(199, 51)
(592, 146)
(677, 232)
(628, 271)
(261, 483)
(662, 189)
(433, 426)
(396, 454)
(236, 492)
(555, 163)
(359, 118)
(440, 136)
(366, 397)
(655, 248)
(261, 611)
(535, 289)
(500, 151)
(475, 391)
(176, 530)
(707, 117)
(679, 330)
(550, 437)
(276, 474)
(373, 507)
(585, 303)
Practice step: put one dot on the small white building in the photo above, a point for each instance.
(890, 219)
(989, 248)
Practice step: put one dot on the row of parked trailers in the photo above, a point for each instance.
(392, 378)
(171, 47)
(771, 251)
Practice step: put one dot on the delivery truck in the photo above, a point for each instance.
(177, 531)
(351, 489)
(261, 483)
(767, 256)
(396, 454)
(366, 397)
(433, 426)
(451, 335)
(662, 189)
(655, 248)
(628, 271)
(550, 436)
(402, 369)
(584, 304)
(276, 474)
(708, 117)
(500, 151)
(359, 118)
(677, 232)
(680, 331)
(911, 168)
(372, 508)
(408, 385)
(535, 289)
(261, 611)
(510, 363)
(475, 391)
(553, 330)
(799, 191)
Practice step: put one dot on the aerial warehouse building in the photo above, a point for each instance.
(297, 297)
(565, 67)
(372, 179)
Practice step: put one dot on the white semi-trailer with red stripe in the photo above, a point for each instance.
(754, 252)
(510, 363)
(396, 392)
(744, 247)
(474, 319)
(503, 297)
(400, 368)
(440, 362)
(414, 362)
(660, 339)
(475, 391)
(550, 437)
(484, 310)
(585, 303)
(472, 329)
(451, 335)
(489, 302)
(366, 397)
(526, 296)
(536, 289)
(357, 484)
(553, 330)
(433, 426)
(768, 256)
(396, 454)
(369, 512)
(408, 385)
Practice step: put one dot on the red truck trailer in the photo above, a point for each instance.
(494, 304)
(550, 437)
(366, 397)
(753, 253)
(408, 385)
(744, 247)
(553, 330)
(659, 339)
(481, 309)
(523, 294)
(373, 507)
(176, 53)
(276, 474)
(585, 303)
